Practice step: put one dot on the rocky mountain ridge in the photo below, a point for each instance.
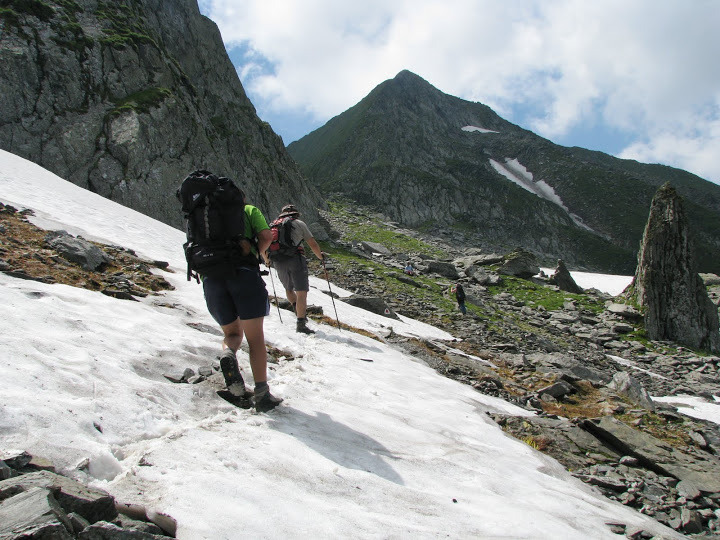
(434, 162)
(125, 98)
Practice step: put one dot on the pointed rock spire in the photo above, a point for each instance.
(667, 285)
(564, 280)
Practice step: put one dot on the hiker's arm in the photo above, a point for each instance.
(264, 239)
(315, 247)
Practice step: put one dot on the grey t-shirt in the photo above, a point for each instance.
(299, 232)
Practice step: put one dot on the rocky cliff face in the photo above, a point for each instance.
(434, 162)
(125, 97)
(667, 284)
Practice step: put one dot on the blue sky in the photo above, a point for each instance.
(636, 79)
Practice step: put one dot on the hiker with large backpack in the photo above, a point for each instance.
(224, 238)
(288, 258)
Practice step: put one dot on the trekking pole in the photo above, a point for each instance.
(277, 305)
(330, 290)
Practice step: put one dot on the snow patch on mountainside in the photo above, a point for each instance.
(478, 129)
(514, 171)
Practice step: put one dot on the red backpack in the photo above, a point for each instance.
(282, 245)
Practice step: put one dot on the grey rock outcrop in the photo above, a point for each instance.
(43, 504)
(520, 263)
(125, 98)
(631, 388)
(625, 311)
(34, 514)
(374, 304)
(667, 285)
(443, 268)
(562, 278)
(482, 276)
(375, 247)
(704, 473)
(77, 250)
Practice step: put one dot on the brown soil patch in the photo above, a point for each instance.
(25, 254)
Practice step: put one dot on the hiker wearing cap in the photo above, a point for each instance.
(288, 258)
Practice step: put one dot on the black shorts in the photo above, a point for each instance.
(293, 273)
(240, 297)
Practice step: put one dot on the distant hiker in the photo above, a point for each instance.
(225, 236)
(460, 297)
(288, 257)
(409, 270)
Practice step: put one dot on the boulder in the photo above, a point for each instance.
(77, 250)
(406, 279)
(631, 388)
(480, 275)
(478, 260)
(564, 281)
(558, 389)
(625, 311)
(374, 247)
(34, 514)
(584, 373)
(91, 503)
(445, 269)
(520, 263)
(374, 304)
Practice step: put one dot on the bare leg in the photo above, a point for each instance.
(253, 329)
(291, 296)
(233, 335)
(301, 305)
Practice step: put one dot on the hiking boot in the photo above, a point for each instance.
(264, 401)
(230, 370)
(302, 326)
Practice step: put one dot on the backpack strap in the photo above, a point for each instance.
(289, 224)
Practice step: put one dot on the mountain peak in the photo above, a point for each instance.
(406, 75)
(422, 156)
(407, 79)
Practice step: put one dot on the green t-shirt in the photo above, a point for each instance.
(254, 223)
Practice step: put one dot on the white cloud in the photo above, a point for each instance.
(695, 148)
(641, 66)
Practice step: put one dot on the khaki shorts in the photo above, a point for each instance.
(293, 273)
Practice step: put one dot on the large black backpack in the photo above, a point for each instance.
(282, 246)
(214, 210)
